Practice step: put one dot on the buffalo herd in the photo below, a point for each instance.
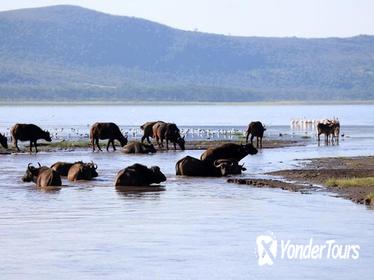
(217, 161)
(329, 127)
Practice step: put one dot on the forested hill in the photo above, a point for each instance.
(72, 53)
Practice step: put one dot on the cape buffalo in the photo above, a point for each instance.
(189, 166)
(336, 131)
(63, 167)
(255, 129)
(109, 131)
(139, 148)
(148, 130)
(82, 171)
(3, 141)
(43, 176)
(139, 175)
(169, 132)
(329, 128)
(228, 151)
(29, 132)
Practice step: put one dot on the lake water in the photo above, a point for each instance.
(194, 229)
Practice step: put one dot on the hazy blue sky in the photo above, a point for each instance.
(302, 18)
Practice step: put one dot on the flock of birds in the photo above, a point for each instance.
(82, 133)
(309, 124)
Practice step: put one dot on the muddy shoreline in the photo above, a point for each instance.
(315, 174)
(190, 145)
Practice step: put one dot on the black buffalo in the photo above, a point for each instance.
(29, 132)
(139, 148)
(255, 129)
(63, 167)
(228, 151)
(329, 128)
(3, 141)
(189, 166)
(139, 175)
(109, 131)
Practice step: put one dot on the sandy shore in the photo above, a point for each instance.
(317, 173)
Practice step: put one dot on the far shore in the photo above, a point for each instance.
(180, 103)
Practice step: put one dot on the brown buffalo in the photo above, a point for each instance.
(228, 151)
(29, 132)
(169, 132)
(139, 175)
(109, 131)
(139, 148)
(189, 166)
(148, 130)
(255, 129)
(43, 176)
(3, 141)
(82, 171)
(63, 167)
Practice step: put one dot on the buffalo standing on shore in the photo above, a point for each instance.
(104, 131)
(139, 175)
(255, 129)
(148, 130)
(3, 141)
(190, 166)
(228, 151)
(139, 148)
(29, 132)
(168, 132)
(42, 176)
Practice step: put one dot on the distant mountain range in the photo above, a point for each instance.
(72, 53)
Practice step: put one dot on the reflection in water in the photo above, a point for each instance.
(152, 192)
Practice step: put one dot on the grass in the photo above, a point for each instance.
(70, 144)
(350, 182)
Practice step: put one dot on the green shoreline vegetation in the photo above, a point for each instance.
(350, 182)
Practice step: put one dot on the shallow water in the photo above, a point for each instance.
(195, 229)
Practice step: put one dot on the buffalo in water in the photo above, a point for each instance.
(228, 151)
(43, 176)
(255, 129)
(189, 166)
(168, 132)
(109, 131)
(139, 148)
(3, 141)
(139, 175)
(82, 171)
(29, 132)
(62, 167)
(148, 130)
(330, 127)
